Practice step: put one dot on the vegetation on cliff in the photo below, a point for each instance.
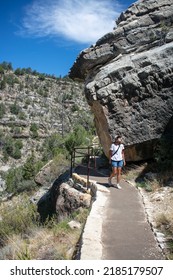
(42, 118)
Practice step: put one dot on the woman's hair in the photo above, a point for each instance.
(117, 137)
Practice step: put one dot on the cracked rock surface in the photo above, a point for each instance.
(128, 77)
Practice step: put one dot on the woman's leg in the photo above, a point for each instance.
(119, 169)
(118, 174)
(114, 172)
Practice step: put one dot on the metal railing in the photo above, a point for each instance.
(86, 153)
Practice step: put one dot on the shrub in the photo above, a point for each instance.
(21, 179)
(75, 108)
(42, 92)
(15, 109)
(145, 185)
(34, 130)
(61, 228)
(52, 146)
(17, 218)
(16, 130)
(87, 122)
(22, 116)
(2, 110)
(80, 215)
(3, 84)
(58, 165)
(13, 179)
(8, 146)
(27, 101)
(19, 144)
(77, 138)
(12, 148)
(29, 170)
(17, 153)
(11, 80)
(26, 186)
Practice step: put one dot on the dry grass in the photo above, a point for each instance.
(53, 241)
(42, 244)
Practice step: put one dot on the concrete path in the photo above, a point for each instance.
(125, 233)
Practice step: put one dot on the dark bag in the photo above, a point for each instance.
(116, 151)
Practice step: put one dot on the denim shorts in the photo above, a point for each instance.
(117, 163)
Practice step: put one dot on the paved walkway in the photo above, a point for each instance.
(125, 233)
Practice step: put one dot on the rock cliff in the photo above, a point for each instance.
(35, 106)
(128, 77)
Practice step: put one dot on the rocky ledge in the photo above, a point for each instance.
(128, 77)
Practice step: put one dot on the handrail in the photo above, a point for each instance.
(76, 153)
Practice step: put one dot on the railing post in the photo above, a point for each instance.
(71, 168)
(94, 156)
(88, 168)
(72, 162)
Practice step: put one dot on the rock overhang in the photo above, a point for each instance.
(129, 78)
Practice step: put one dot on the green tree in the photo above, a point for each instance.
(6, 65)
(1, 70)
(52, 146)
(28, 70)
(28, 168)
(41, 77)
(19, 71)
(77, 138)
(3, 84)
(13, 179)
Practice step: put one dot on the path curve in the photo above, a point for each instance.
(117, 227)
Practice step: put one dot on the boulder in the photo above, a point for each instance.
(128, 77)
(63, 198)
(70, 200)
(47, 201)
(48, 173)
(42, 177)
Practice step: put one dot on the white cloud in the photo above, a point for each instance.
(82, 21)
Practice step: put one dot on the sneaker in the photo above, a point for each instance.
(109, 182)
(118, 186)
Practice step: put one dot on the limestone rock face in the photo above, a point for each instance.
(129, 78)
(33, 107)
(63, 198)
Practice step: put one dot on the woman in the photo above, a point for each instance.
(117, 160)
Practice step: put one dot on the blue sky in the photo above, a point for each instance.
(48, 35)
